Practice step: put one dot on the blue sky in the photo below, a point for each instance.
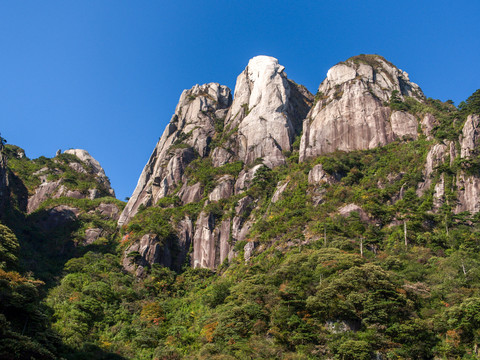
(105, 76)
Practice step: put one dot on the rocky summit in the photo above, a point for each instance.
(270, 223)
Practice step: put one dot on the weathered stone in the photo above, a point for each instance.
(468, 194)
(93, 165)
(185, 238)
(221, 156)
(404, 125)
(248, 250)
(78, 167)
(318, 176)
(58, 216)
(349, 113)
(93, 194)
(190, 129)
(224, 188)
(110, 211)
(91, 235)
(42, 193)
(428, 124)
(469, 139)
(349, 208)
(439, 193)
(147, 251)
(268, 110)
(210, 244)
(245, 178)
(189, 194)
(279, 191)
(204, 248)
(435, 157)
(76, 194)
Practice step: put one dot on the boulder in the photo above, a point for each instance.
(349, 208)
(189, 194)
(91, 235)
(224, 188)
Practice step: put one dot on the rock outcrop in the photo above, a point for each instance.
(468, 185)
(57, 188)
(470, 137)
(190, 131)
(149, 250)
(350, 112)
(268, 110)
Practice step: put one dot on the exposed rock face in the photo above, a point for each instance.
(468, 194)
(42, 193)
(189, 194)
(428, 124)
(190, 129)
(279, 191)
(149, 250)
(185, 238)
(55, 189)
(223, 190)
(268, 110)
(110, 211)
(435, 157)
(91, 235)
(468, 186)
(469, 140)
(210, 243)
(349, 113)
(245, 178)
(349, 208)
(318, 176)
(58, 216)
(92, 164)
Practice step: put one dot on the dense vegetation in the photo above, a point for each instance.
(403, 283)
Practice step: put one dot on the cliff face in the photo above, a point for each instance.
(268, 110)
(216, 151)
(262, 121)
(350, 112)
(190, 130)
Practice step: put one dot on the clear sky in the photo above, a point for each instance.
(106, 76)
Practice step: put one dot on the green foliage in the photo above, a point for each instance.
(471, 105)
(8, 248)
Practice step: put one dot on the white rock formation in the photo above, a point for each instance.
(268, 110)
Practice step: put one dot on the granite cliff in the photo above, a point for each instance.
(216, 148)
